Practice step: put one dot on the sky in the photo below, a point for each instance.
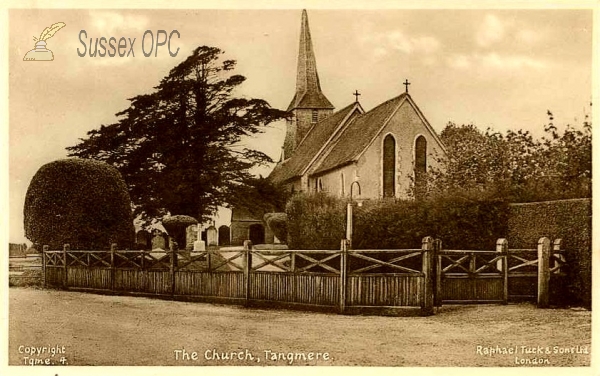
(498, 68)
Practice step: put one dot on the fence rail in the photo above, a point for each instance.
(474, 276)
(343, 280)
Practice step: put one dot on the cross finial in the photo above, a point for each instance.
(356, 94)
(406, 83)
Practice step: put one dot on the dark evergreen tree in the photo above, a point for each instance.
(179, 148)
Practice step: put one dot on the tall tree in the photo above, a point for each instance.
(178, 148)
(515, 165)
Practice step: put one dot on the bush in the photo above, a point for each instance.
(570, 220)
(176, 226)
(462, 221)
(315, 221)
(84, 203)
(277, 223)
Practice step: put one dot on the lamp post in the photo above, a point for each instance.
(349, 214)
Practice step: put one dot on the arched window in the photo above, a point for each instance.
(420, 164)
(315, 116)
(318, 185)
(389, 166)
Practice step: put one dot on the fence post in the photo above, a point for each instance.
(543, 272)
(174, 247)
(143, 273)
(557, 256)
(113, 248)
(293, 262)
(209, 258)
(438, 273)
(427, 301)
(66, 249)
(44, 250)
(502, 265)
(343, 271)
(247, 261)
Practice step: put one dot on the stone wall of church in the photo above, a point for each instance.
(298, 127)
(405, 126)
(332, 181)
(304, 121)
(240, 231)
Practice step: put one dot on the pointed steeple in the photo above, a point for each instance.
(308, 89)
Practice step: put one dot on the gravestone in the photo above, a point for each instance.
(191, 235)
(212, 236)
(159, 240)
(224, 235)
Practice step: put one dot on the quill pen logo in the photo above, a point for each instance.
(40, 52)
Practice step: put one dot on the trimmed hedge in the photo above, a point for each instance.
(84, 203)
(277, 223)
(318, 221)
(570, 220)
(315, 221)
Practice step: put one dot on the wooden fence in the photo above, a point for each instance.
(345, 280)
(348, 281)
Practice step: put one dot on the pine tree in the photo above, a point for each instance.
(178, 148)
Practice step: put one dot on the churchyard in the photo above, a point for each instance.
(153, 330)
(402, 254)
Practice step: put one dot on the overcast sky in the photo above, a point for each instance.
(495, 68)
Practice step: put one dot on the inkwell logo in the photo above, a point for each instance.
(40, 52)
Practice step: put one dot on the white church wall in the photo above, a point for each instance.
(405, 125)
(332, 181)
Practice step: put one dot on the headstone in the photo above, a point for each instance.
(224, 235)
(212, 236)
(199, 246)
(159, 240)
(191, 235)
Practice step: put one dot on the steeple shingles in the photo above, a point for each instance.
(308, 89)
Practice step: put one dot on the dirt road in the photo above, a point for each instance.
(88, 329)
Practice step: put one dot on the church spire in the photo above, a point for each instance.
(308, 89)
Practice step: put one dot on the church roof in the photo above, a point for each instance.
(308, 88)
(310, 99)
(316, 138)
(358, 135)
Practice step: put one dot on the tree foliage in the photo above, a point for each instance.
(515, 165)
(260, 196)
(178, 148)
(277, 222)
(80, 202)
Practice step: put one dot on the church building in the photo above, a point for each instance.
(350, 152)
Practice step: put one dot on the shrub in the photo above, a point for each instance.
(277, 222)
(570, 220)
(466, 221)
(176, 226)
(315, 221)
(84, 203)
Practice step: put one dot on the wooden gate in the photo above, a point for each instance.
(471, 277)
(500, 276)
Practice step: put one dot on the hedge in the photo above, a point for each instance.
(318, 221)
(277, 223)
(570, 220)
(315, 221)
(81, 202)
